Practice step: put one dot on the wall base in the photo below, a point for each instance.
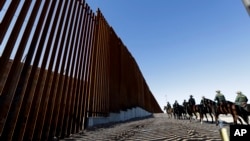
(118, 117)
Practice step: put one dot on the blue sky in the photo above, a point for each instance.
(185, 47)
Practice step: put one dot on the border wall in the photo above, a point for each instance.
(61, 64)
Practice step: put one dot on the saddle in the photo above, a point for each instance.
(222, 103)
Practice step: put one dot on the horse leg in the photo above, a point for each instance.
(235, 118)
(184, 116)
(245, 118)
(201, 118)
(216, 119)
(196, 115)
(245, 115)
(239, 120)
(211, 117)
(206, 116)
(190, 116)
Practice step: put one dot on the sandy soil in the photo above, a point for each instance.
(159, 127)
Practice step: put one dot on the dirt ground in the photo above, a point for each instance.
(156, 128)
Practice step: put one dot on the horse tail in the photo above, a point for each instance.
(244, 114)
(245, 118)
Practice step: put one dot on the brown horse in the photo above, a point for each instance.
(169, 111)
(192, 110)
(204, 111)
(227, 108)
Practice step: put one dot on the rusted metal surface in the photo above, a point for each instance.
(72, 66)
(2, 2)
(7, 19)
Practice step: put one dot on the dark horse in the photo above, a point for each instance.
(198, 109)
(179, 112)
(192, 110)
(227, 108)
(169, 111)
(204, 111)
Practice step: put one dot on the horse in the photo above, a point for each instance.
(227, 108)
(169, 111)
(192, 110)
(206, 110)
(200, 109)
(179, 112)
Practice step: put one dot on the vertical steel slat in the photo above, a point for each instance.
(127, 77)
(7, 19)
(12, 79)
(123, 68)
(114, 71)
(66, 128)
(41, 90)
(68, 83)
(29, 94)
(87, 70)
(83, 40)
(2, 2)
(69, 107)
(18, 96)
(107, 110)
(101, 72)
(59, 93)
(122, 105)
(88, 110)
(75, 121)
(96, 71)
(64, 89)
(13, 37)
(108, 69)
(104, 66)
(98, 90)
(45, 123)
(72, 119)
(131, 79)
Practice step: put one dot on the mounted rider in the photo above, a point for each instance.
(221, 100)
(241, 99)
(168, 105)
(191, 100)
(176, 104)
(185, 103)
(203, 102)
(176, 109)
